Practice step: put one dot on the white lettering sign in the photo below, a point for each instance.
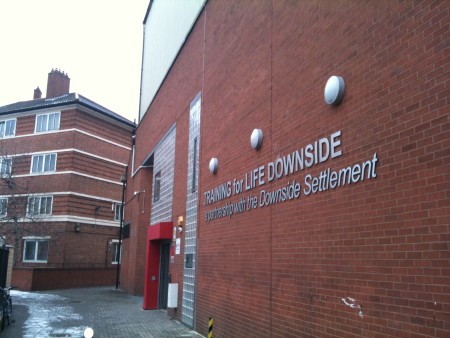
(312, 154)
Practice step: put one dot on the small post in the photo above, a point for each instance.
(210, 328)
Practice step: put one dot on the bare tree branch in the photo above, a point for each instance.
(16, 218)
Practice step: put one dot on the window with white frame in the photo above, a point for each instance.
(43, 163)
(35, 249)
(47, 122)
(3, 206)
(5, 166)
(41, 205)
(116, 257)
(117, 211)
(7, 128)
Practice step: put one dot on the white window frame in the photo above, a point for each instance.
(114, 248)
(40, 198)
(117, 210)
(4, 165)
(3, 206)
(36, 240)
(3, 130)
(44, 159)
(47, 127)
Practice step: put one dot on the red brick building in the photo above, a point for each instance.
(62, 159)
(274, 212)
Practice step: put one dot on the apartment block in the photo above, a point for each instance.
(62, 160)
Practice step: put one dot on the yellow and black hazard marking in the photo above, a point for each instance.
(210, 328)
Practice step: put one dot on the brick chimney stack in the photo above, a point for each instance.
(37, 94)
(58, 83)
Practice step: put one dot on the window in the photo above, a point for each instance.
(7, 128)
(189, 261)
(3, 206)
(194, 167)
(39, 205)
(157, 187)
(5, 167)
(117, 211)
(35, 250)
(116, 257)
(43, 163)
(47, 122)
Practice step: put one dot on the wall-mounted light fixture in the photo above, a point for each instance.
(256, 139)
(334, 90)
(213, 165)
(180, 223)
(77, 227)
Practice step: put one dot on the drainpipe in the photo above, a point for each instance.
(123, 179)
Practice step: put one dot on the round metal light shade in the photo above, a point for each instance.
(213, 165)
(256, 139)
(334, 90)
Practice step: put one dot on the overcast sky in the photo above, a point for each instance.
(98, 43)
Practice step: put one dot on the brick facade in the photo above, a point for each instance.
(366, 259)
(92, 147)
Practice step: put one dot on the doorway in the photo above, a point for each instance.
(164, 277)
(159, 238)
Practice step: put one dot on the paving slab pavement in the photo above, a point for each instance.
(109, 312)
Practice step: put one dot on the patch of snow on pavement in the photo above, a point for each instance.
(45, 312)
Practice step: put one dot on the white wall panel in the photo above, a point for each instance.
(165, 29)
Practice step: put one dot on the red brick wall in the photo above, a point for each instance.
(73, 119)
(91, 247)
(103, 127)
(235, 268)
(282, 270)
(22, 279)
(137, 212)
(28, 279)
